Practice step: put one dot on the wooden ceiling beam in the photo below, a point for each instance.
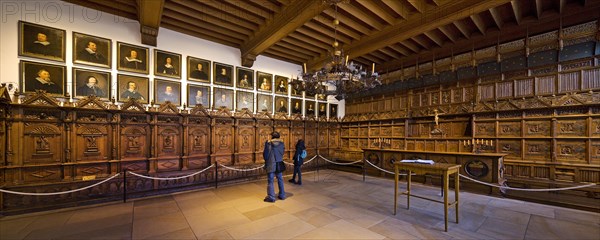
(447, 33)
(326, 32)
(214, 31)
(398, 7)
(516, 11)
(291, 51)
(344, 30)
(309, 40)
(370, 4)
(497, 18)
(419, 42)
(399, 49)
(302, 49)
(287, 21)
(326, 39)
(391, 53)
(149, 16)
(169, 15)
(436, 2)
(434, 38)
(246, 6)
(283, 55)
(478, 23)
(362, 16)
(202, 34)
(197, 16)
(228, 9)
(449, 12)
(380, 56)
(301, 44)
(126, 12)
(408, 43)
(269, 5)
(419, 5)
(461, 27)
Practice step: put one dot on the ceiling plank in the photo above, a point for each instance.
(210, 11)
(390, 53)
(125, 12)
(410, 45)
(419, 41)
(291, 51)
(434, 38)
(193, 14)
(308, 40)
(326, 39)
(447, 33)
(251, 8)
(208, 29)
(399, 49)
(292, 17)
(478, 23)
(370, 4)
(182, 28)
(326, 32)
(447, 13)
(149, 15)
(398, 7)
(517, 11)
(497, 18)
(348, 21)
(226, 8)
(418, 5)
(283, 55)
(269, 5)
(302, 49)
(170, 16)
(301, 44)
(340, 28)
(366, 18)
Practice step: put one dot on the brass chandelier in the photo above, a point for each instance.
(337, 77)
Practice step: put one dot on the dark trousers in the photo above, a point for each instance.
(297, 171)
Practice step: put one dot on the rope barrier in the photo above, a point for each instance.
(337, 163)
(241, 169)
(526, 189)
(58, 193)
(172, 178)
(313, 158)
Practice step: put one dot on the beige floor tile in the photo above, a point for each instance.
(261, 225)
(502, 229)
(221, 235)
(263, 212)
(159, 225)
(291, 205)
(284, 231)
(316, 217)
(213, 221)
(393, 229)
(113, 232)
(577, 216)
(181, 234)
(340, 229)
(547, 228)
(359, 216)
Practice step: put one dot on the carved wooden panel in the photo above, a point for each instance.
(353, 143)
(572, 151)
(198, 145)
(398, 131)
(510, 147)
(425, 99)
(98, 170)
(362, 142)
(509, 129)
(591, 79)
(595, 127)
(373, 131)
(546, 85)
(333, 138)
(589, 176)
(398, 144)
(485, 129)
(352, 132)
(363, 132)
(322, 138)
(504, 89)
(538, 149)
(42, 174)
(168, 141)
(457, 95)
(569, 82)
(92, 142)
(486, 91)
(416, 100)
(572, 128)
(537, 129)
(134, 142)
(45, 140)
(386, 131)
(523, 87)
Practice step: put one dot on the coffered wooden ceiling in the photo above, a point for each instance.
(390, 33)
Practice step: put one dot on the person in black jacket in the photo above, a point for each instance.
(272, 154)
(298, 161)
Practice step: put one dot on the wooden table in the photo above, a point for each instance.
(444, 169)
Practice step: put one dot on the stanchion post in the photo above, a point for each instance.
(125, 186)
(216, 174)
(364, 167)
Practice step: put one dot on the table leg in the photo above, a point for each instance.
(456, 186)
(395, 189)
(446, 180)
(408, 189)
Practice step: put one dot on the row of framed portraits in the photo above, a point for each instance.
(52, 79)
(49, 43)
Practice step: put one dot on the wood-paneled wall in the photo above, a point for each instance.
(51, 145)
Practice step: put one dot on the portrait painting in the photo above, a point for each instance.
(322, 109)
(41, 42)
(264, 103)
(245, 100)
(264, 81)
(167, 91)
(41, 76)
(333, 113)
(223, 98)
(296, 88)
(281, 104)
(132, 87)
(198, 69)
(167, 64)
(132, 58)
(92, 50)
(198, 95)
(296, 106)
(281, 84)
(310, 109)
(223, 74)
(245, 78)
(88, 82)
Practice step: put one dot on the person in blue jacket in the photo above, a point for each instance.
(272, 154)
(298, 161)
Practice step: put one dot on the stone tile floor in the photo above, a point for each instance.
(330, 205)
